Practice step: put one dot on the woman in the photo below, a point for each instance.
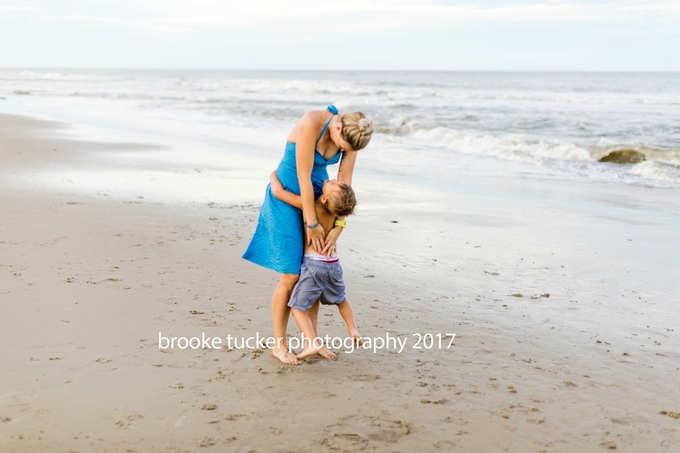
(320, 138)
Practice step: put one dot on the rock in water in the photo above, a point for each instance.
(624, 156)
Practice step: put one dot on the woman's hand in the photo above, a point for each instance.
(329, 244)
(315, 238)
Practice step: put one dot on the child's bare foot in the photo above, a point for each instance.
(325, 352)
(354, 334)
(285, 357)
(308, 351)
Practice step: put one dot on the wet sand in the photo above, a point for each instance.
(541, 360)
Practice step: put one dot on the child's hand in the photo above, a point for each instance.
(276, 185)
(330, 248)
(281, 193)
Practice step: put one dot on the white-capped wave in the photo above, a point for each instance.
(564, 98)
(507, 147)
(657, 171)
(56, 76)
(563, 157)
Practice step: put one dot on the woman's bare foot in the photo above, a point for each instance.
(325, 352)
(354, 334)
(308, 351)
(285, 357)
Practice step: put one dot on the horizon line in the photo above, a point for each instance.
(338, 70)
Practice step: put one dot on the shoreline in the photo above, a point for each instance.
(91, 280)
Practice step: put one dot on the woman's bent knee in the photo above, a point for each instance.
(289, 279)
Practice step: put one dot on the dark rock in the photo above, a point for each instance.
(624, 156)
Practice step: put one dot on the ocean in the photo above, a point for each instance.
(563, 125)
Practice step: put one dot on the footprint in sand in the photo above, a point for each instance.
(622, 421)
(349, 436)
(386, 430)
(365, 377)
(441, 401)
(206, 442)
(345, 442)
(128, 421)
(674, 415)
(537, 422)
(209, 407)
(219, 377)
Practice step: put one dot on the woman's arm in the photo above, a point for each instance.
(304, 159)
(345, 171)
(282, 194)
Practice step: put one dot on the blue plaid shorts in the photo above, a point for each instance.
(319, 280)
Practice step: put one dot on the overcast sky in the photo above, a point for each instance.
(348, 34)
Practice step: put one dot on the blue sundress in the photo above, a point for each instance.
(279, 237)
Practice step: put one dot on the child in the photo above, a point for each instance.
(320, 276)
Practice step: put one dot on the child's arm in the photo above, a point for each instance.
(282, 194)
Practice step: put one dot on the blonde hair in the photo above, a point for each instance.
(356, 130)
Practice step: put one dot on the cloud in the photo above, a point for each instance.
(318, 19)
(15, 10)
(410, 34)
(670, 8)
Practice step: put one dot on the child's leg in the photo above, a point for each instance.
(313, 314)
(348, 315)
(312, 344)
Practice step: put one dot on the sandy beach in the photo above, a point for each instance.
(563, 302)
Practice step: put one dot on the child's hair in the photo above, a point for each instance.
(342, 201)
